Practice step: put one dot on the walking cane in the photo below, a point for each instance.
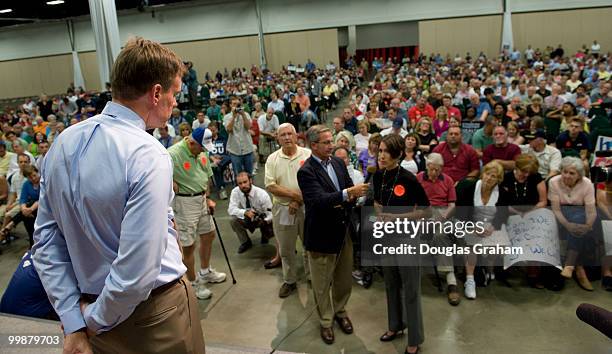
(224, 252)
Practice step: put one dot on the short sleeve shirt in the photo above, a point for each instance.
(190, 172)
(282, 171)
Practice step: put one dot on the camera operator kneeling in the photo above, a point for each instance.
(251, 209)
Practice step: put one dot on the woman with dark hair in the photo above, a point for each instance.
(38, 138)
(413, 160)
(525, 189)
(396, 187)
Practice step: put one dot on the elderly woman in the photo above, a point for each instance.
(535, 108)
(572, 198)
(486, 206)
(426, 134)
(526, 190)
(440, 190)
(184, 130)
(362, 137)
(395, 187)
(343, 139)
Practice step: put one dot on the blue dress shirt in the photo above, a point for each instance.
(104, 224)
(332, 175)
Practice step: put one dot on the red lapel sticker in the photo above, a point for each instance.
(301, 162)
(399, 190)
(186, 165)
(203, 159)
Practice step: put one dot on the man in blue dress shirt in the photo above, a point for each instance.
(105, 247)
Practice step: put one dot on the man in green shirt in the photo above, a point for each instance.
(193, 210)
(483, 137)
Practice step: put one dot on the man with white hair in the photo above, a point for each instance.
(440, 190)
(287, 203)
(483, 109)
(554, 101)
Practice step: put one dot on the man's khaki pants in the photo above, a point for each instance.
(332, 271)
(287, 235)
(164, 323)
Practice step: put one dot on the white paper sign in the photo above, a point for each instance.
(538, 236)
(604, 143)
(607, 235)
(286, 218)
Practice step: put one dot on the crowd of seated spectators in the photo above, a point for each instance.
(477, 117)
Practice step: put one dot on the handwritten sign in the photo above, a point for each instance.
(607, 236)
(538, 236)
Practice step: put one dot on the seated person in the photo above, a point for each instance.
(501, 150)
(549, 157)
(573, 141)
(460, 159)
(251, 209)
(483, 137)
(440, 190)
(25, 295)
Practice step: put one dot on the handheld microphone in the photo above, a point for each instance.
(371, 171)
(597, 317)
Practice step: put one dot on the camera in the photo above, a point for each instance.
(259, 217)
(239, 109)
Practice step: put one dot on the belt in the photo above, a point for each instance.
(157, 291)
(191, 195)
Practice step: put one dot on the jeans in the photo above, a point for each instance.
(219, 169)
(242, 163)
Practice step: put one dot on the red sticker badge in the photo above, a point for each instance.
(301, 162)
(203, 159)
(186, 165)
(399, 190)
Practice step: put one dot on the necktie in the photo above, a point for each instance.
(248, 202)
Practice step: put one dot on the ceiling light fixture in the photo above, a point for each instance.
(5, 11)
(55, 2)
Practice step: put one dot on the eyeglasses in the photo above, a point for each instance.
(328, 142)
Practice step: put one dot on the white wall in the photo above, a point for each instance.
(290, 15)
(237, 18)
(231, 19)
(544, 5)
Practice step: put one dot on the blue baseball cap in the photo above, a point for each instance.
(203, 137)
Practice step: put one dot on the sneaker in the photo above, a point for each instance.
(357, 275)
(212, 277)
(202, 292)
(286, 290)
(470, 289)
(222, 194)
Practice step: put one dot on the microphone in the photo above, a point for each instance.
(371, 171)
(596, 317)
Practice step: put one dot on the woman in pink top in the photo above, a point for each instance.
(572, 197)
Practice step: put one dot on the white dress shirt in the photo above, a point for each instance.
(259, 199)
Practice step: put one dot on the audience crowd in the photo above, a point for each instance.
(516, 132)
